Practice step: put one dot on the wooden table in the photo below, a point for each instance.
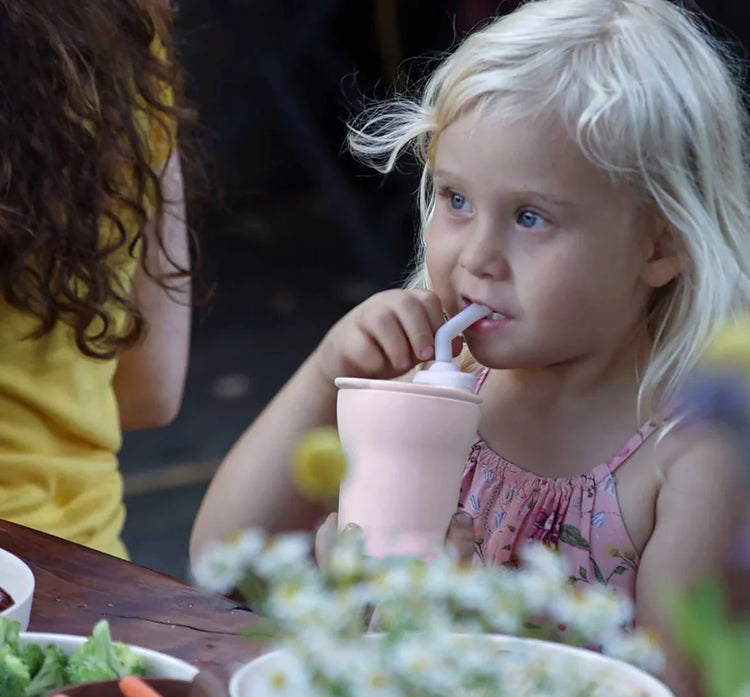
(76, 587)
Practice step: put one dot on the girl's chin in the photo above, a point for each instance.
(495, 360)
(498, 355)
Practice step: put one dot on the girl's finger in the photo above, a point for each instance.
(325, 538)
(431, 304)
(390, 335)
(415, 320)
(460, 537)
(364, 354)
(352, 529)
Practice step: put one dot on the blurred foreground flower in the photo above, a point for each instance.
(433, 622)
(319, 464)
(729, 350)
(718, 644)
(718, 394)
(718, 391)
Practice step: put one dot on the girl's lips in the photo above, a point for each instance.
(489, 325)
(495, 315)
(465, 302)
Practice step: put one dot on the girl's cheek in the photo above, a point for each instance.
(440, 270)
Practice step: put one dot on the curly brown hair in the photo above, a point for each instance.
(76, 79)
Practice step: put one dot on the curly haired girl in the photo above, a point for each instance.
(94, 259)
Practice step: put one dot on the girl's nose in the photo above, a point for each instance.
(483, 253)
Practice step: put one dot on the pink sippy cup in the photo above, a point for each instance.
(407, 444)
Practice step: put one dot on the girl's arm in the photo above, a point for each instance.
(698, 511)
(252, 487)
(150, 376)
(384, 337)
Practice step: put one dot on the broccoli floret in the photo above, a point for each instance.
(130, 662)
(51, 675)
(9, 631)
(33, 656)
(101, 659)
(14, 675)
(95, 660)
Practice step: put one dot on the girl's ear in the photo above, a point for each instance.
(664, 262)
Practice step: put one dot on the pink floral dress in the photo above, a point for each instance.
(579, 516)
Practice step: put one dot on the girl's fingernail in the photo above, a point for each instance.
(426, 353)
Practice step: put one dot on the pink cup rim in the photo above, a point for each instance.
(408, 388)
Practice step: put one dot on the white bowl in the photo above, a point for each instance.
(17, 580)
(158, 665)
(245, 682)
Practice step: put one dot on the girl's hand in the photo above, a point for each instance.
(383, 337)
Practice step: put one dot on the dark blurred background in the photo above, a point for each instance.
(293, 231)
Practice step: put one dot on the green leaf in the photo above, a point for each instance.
(620, 570)
(724, 665)
(700, 614)
(254, 589)
(571, 535)
(583, 574)
(263, 629)
(597, 571)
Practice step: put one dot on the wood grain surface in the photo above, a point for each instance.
(76, 587)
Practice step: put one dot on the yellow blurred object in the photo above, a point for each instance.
(319, 464)
(730, 348)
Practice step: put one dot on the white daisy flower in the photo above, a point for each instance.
(543, 562)
(287, 678)
(423, 662)
(346, 562)
(640, 649)
(218, 569)
(285, 555)
(249, 546)
(595, 612)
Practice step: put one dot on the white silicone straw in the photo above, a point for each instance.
(453, 327)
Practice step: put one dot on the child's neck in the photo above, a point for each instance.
(562, 420)
(559, 386)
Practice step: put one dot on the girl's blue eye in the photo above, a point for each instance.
(458, 202)
(531, 220)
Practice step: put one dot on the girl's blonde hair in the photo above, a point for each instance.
(650, 98)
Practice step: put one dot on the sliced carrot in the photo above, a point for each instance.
(132, 686)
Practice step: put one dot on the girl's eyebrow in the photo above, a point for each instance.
(550, 199)
(443, 174)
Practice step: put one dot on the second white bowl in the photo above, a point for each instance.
(252, 678)
(17, 580)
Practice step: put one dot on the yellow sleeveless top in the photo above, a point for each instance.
(59, 422)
